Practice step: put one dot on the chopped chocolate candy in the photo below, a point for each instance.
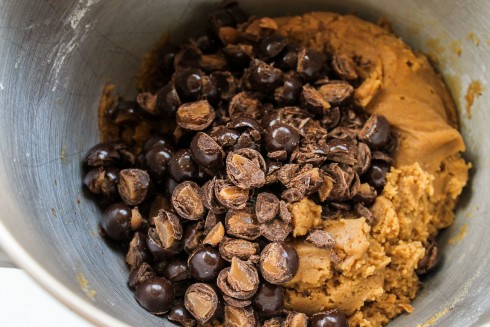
(182, 167)
(138, 252)
(296, 319)
(176, 270)
(155, 295)
(140, 274)
(269, 299)
(230, 248)
(313, 101)
(336, 92)
(205, 264)
(242, 224)
(344, 67)
(206, 152)
(310, 64)
(278, 263)
(246, 168)
(156, 161)
(263, 77)
(230, 195)
(180, 315)
(215, 235)
(239, 317)
(281, 137)
(328, 318)
(273, 322)
(195, 116)
(187, 202)
(276, 230)
(115, 222)
(202, 302)
(240, 281)
(193, 236)
(266, 207)
(321, 239)
(430, 260)
(133, 185)
(375, 132)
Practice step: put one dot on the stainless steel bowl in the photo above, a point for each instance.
(55, 57)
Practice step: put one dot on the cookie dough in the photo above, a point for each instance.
(377, 263)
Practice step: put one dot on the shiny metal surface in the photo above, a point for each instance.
(55, 57)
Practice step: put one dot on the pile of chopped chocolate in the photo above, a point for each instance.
(254, 123)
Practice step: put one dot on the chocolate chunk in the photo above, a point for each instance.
(284, 212)
(133, 185)
(240, 281)
(156, 161)
(336, 92)
(382, 156)
(295, 319)
(271, 46)
(209, 199)
(103, 154)
(115, 222)
(155, 295)
(201, 301)
(276, 230)
(225, 83)
(273, 168)
(239, 317)
(182, 167)
(366, 194)
(375, 132)
(332, 318)
(138, 252)
(288, 59)
(176, 270)
(193, 236)
(288, 94)
(344, 182)
(215, 235)
(266, 207)
(205, 264)
(239, 55)
(163, 240)
(140, 274)
(430, 260)
(363, 158)
(310, 64)
(224, 136)
(344, 67)
(246, 124)
(244, 104)
(246, 168)
(376, 174)
(342, 151)
(125, 112)
(263, 77)
(242, 224)
(187, 202)
(230, 248)
(180, 315)
(195, 116)
(278, 263)
(269, 299)
(281, 137)
(313, 101)
(361, 211)
(188, 83)
(321, 239)
(93, 180)
(211, 220)
(235, 302)
(230, 195)
(206, 152)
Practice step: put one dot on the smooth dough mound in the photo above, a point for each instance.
(377, 263)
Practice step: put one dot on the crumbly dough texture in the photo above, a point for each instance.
(374, 278)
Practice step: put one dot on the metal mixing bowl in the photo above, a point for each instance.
(55, 57)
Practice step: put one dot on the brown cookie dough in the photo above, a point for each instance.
(377, 264)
